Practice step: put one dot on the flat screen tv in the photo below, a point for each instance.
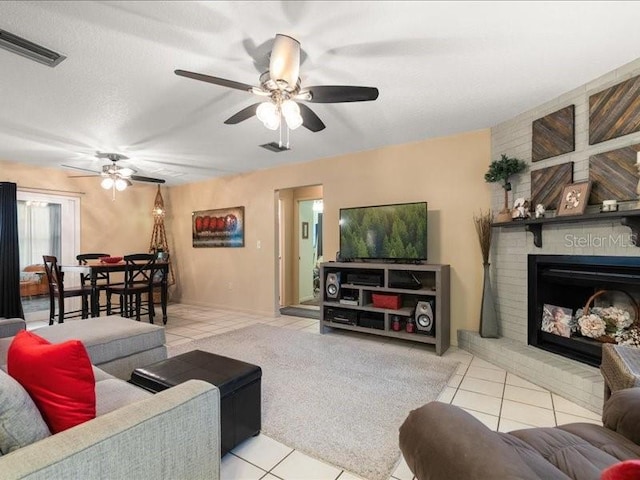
(386, 232)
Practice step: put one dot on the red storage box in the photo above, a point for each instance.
(386, 301)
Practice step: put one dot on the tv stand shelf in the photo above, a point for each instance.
(434, 287)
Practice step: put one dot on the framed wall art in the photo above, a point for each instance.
(223, 227)
(615, 112)
(574, 199)
(614, 175)
(305, 230)
(553, 134)
(547, 184)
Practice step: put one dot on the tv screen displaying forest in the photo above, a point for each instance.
(386, 232)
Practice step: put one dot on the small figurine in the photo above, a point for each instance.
(540, 211)
(520, 209)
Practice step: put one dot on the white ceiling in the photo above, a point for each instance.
(441, 68)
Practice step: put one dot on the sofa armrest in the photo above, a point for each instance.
(443, 442)
(173, 434)
(621, 413)
(10, 326)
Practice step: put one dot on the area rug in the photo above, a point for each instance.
(335, 397)
(300, 312)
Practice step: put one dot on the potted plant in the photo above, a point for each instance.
(500, 171)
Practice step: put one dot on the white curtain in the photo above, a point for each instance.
(38, 231)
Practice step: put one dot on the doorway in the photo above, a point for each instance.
(299, 249)
(309, 251)
(47, 225)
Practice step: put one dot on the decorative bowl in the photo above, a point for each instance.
(110, 259)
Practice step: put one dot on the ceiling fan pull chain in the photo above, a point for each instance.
(280, 130)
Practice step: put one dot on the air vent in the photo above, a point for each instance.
(28, 49)
(275, 147)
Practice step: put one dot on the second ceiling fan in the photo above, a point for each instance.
(280, 86)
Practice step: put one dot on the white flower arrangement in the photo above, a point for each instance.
(592, 326)
(601, 321)
(629, 337)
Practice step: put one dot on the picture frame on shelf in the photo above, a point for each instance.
(574, 199)
(557, 320)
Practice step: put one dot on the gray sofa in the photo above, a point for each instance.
(442, 442)
(173, 434)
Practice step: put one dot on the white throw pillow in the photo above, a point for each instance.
(20, 421)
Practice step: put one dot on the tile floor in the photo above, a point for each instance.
(500, 400)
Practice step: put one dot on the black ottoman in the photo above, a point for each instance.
(238, 382)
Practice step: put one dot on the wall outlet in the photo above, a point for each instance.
(258, 244)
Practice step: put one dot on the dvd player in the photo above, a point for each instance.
(341, 315)
(366, 279)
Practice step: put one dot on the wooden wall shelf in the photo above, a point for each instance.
(628, 218)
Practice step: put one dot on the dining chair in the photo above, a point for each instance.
(57, 291)
(103, 279)
(138, 279)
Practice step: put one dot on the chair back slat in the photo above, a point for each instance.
(139, 269)
(54, 275)
(83, 257)
(83, 260)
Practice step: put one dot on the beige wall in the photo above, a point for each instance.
(446, 172)
(115, 227)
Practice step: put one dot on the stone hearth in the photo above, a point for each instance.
(570, 379)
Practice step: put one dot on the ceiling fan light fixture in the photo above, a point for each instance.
(107, 183)
(284, 63)
(294, 120)
(266, 111)
(289, 107)
(121, 184)
(273, 123)
(125, 172)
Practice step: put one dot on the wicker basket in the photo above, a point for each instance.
(588, 306)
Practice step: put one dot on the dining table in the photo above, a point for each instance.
(94, 268)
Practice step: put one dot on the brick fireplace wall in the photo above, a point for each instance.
(511, 246)
(576, 381)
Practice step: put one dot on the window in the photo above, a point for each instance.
(47, 225)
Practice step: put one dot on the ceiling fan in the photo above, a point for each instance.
(281, 89)
(115, 177)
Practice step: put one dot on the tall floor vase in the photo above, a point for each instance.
(488, 315)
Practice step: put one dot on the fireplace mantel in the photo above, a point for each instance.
(628, 218)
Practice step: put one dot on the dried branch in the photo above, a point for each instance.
(483, 227)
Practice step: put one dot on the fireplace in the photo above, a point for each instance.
(565, 283)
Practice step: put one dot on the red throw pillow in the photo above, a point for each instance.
(627, 470)
(58, 377)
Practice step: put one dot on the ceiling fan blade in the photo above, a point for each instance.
(339, 94)
(81, 169)
(83, 176)
(242, 115)
(310, 120)
(139, 178)
(215, 80)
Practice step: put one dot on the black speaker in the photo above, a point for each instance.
(425, 317)
(332, 285)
